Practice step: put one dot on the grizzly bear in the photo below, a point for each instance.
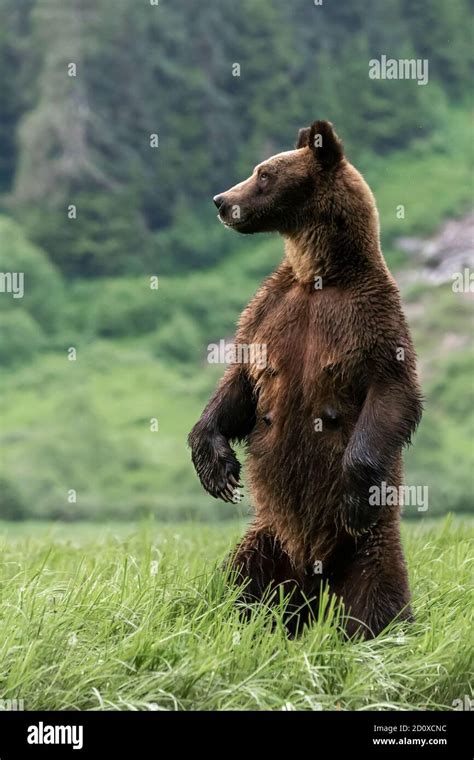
(326, 417)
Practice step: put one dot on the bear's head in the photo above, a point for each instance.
(296, 188)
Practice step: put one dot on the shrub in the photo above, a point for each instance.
(20, 337)
(12, 506)
(128, 307)
(179, 340)
(43, 288)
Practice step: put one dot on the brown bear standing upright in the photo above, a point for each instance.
(326, 419)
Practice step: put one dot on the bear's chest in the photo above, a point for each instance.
(304, 337)
(312, 385)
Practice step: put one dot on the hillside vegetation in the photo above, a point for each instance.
(92, 355)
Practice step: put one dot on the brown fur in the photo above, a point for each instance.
(332, 355)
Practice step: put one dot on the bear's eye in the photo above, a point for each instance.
(263, 178)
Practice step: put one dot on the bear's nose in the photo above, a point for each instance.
(218, 200)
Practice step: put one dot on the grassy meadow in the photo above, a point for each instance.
(139, 618)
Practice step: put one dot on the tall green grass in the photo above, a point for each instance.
(142, 619)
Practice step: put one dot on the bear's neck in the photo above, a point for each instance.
(330, 254)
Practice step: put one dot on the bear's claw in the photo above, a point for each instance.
(216, 465)
(357, 515)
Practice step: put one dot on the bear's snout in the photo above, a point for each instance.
(223, 206)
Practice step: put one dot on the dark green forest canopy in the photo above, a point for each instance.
(171, 70)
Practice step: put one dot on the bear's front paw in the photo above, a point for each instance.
(358, 515)
(216, 465)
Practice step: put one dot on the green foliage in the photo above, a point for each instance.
(433, 180)
(194, 240)
(106, 236)
(441, 32)
(86, 425)
(17, 81)
(441, 457)
(86, 139)
(20, 337)
(143, 619)
(43, 289)
(127, 307)
(179, 340)
(12, 506)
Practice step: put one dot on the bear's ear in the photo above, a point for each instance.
(325, 144)
(303, 138)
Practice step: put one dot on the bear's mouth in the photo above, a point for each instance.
(235, 224)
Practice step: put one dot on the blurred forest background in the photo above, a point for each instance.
(169, 70)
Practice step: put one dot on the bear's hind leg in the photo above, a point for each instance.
(260, 562)
(374, 586)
